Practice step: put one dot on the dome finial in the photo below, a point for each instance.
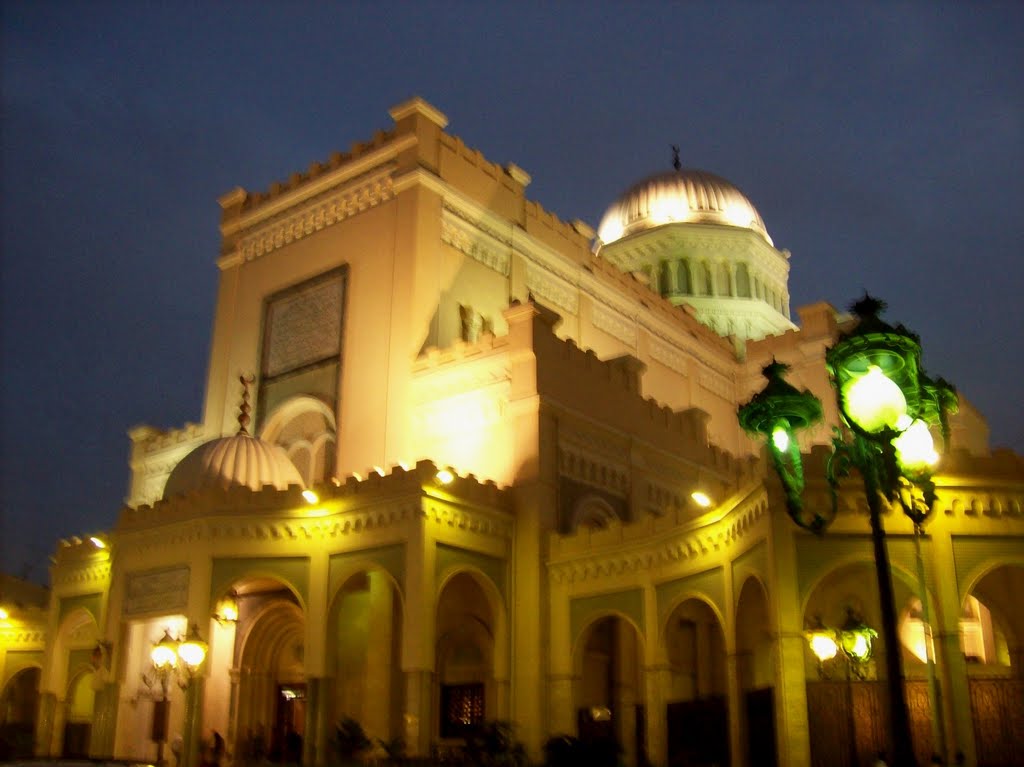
(243, 409)
(675, 158)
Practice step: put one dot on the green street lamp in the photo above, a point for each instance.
(882, 396)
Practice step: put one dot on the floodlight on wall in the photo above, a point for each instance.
(311, 497)
(445, 476)
(701, 498)
(226, 610)
(97, 542)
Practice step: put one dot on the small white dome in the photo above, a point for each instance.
(238, 460)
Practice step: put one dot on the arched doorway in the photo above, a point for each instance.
(79, 705)
(270, 645)
(992, 640)
(848, 700)
(466, 694)
(19, 704)
(756, 671)
(364, 655)
(608, 689)
(698, 715)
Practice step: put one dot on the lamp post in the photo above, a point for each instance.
(856, 639)
(882, 394)
(180, 658)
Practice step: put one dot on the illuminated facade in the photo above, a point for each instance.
(611, 555)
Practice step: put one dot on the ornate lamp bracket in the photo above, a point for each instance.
(777, 413)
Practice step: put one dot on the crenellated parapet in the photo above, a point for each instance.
(354, 506)
(154, 454)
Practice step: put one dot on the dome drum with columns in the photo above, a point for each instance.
(697, 240)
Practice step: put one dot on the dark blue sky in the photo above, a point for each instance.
(882, 145)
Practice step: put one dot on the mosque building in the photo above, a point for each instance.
(460, 461)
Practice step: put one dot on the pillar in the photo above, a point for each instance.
(656, 676)
(418, 694)
(315, 661)
(624, 694)
(656, 685)
(791, 726)
(104, 721)
(737, 711)
(316, 741)
(418, 630)
(562, 718)
(950, 659)
(45, 722)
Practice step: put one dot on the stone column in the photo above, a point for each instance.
(60, 715)
(732, 279)
(624, 694)
(671, 282)
(376, 717)
(791, 726)
(418, 638)
(950, 661)
(418, 723)
(737, 709)
(45, 721)
(104, 721)
(235, 739)
(562, 719)
(315, 744)
(656, 685)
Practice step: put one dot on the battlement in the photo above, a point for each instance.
(338, 496)
(613, 394)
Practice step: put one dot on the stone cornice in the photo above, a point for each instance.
(347, 174)
(298, 221)
(479, 521)
(655, 542)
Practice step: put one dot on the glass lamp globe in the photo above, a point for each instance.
(193, 650)
(857, 638)
(874, 401)
(165, 652)
(915, 448)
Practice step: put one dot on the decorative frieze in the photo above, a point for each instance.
(614, 324)
(22, 638)
(551, 290)
(717, 384)
(81, 576)
(468, 520)
(669, 356)
(476, 245)
(327, 210)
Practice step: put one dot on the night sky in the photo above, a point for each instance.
(882, 145)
